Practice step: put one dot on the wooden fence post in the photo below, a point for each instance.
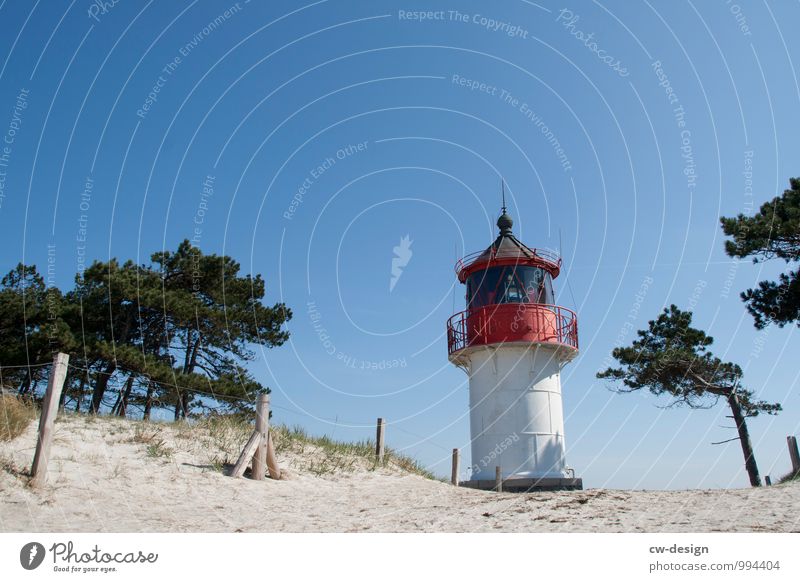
(767, 480)
(498, 479)
(272, 461)
(794, 453)
(379, 449)
(262, 426)
(454, 473)
(247, 453)
(55, 383)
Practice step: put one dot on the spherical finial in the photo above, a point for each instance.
(504, 223)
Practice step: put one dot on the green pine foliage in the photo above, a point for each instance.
(772, 233)
(672, 358)
(176, 333)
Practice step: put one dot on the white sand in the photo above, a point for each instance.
(101, 481)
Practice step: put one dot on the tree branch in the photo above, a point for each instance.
(727, 441)
(712, 388)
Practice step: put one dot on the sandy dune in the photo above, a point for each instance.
(105, 476)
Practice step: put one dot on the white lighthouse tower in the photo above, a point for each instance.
(512, 341)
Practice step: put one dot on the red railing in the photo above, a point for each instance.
(512, 322)
(545, 255)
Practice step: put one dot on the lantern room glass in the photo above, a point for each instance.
(509, 284)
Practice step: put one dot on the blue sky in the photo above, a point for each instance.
(332, 130)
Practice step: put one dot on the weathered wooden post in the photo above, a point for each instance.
(272, 461)
(498, 479)
(259, 447)
(55, 383)
(454, 473)
(262, 427)
(794, 453)
(767, 480)
(379, 449)
(247, 453)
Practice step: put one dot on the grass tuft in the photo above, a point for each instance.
(328, 456)
(145, 433)
(8, 465)
(15, 416)
(158, 448)
(222, 436)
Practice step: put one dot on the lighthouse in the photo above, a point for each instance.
(512, 341)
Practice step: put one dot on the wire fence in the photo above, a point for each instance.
(118, 385)
(178, 388)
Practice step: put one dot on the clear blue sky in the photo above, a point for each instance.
(272, 101)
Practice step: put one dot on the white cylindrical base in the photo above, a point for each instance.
(516, 416)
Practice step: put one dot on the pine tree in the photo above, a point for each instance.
(772, 233)
(672, 358)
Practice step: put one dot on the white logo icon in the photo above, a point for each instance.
(402, 255)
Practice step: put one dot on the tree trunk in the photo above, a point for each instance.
(193, 360)
(26, 382)
(123, 404)
(100, 387)
(34, 388)
(189, 363)
(181, 405)
(62, 402)
(744, 439)
(79, 397)
(113, 411)
(188, 355)
(148, 402)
